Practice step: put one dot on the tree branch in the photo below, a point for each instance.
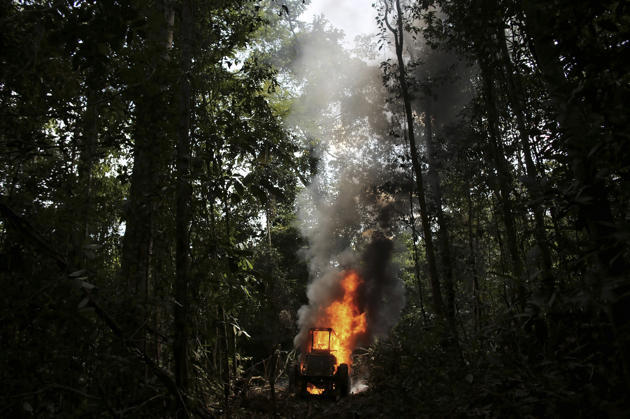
(385, 19)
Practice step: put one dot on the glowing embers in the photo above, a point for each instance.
(314, 390)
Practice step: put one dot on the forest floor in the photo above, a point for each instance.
(258, 404)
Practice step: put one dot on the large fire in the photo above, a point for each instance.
(346, 308)
(345, 318)
(339, 325)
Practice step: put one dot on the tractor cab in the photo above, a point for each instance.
(318, 373)
(319, 361)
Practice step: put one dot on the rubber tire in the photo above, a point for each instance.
(293, 378)
(343, 380)
(301, 387)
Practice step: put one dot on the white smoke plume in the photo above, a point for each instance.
(345, 212)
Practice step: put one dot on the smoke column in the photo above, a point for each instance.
(343, 212)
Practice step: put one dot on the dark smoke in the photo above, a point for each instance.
(381, 296)
(383, 293)
(344, 212)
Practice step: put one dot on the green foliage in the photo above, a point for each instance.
(556, 363)
(82, 86)
(90, 125)
(562, 352)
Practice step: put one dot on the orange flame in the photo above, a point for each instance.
(320, 340)
(346, 320)
(314, 390)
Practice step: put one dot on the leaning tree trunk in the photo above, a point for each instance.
(438, 305)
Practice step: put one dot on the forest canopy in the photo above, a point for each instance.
(188, 189)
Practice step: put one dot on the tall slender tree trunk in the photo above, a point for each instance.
(438, 304)
(472, 263)
(227, 378)
(503, 183)
(182, 321)
(416, 256)
(226, 362)
(87, 156)
(532, 184)
(150, 156)
(433, 177)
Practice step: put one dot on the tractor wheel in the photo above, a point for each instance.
(343, 380)
(301, 387)
(293, 378)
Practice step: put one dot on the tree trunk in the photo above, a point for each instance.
(435, 189)
(226, 363)
(581, 136)
(87, 156)
(472, 264)
(151, 154)
(503, 184)
(593, 201)
(416, 258)
(272, 378)
(181, 307)
(438, 305)
(150, 159)
(532, 183)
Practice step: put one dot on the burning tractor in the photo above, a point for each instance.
(318, 372)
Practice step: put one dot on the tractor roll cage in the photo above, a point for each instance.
(314, 330)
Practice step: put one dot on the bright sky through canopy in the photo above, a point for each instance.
(354, 17)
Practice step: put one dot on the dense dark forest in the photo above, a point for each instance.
(188, 187)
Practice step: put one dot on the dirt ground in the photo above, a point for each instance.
(257, 403)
